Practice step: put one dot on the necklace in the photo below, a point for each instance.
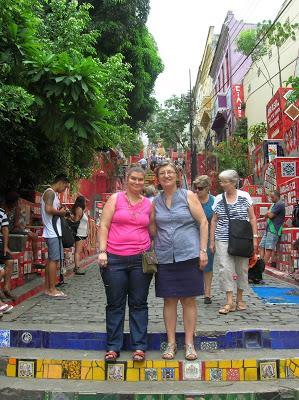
(132, 209)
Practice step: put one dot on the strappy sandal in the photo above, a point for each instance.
(138, 355)
(170, 351)
(190, 352)
(241, 306)
(227, 308)
(111, 355)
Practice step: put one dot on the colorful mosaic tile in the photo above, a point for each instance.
(191, 370)
(268, 370)
(151, 374)
(233, 374)
(71, 369)
(26, 368)
(288, 169)
(208, 346)
(168, 374)
(216, 374)
(115, 371)
(4, 338)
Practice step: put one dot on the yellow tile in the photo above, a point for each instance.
(130, 364)
(158, 364)
(288, 362)
(98, 374)
(139, 364)
(86, 363)
(250, 374)
(56, 362)
(142, 374)
(223, 374)
(46, 362)
(237, 363)
(296, 361)
(133, 374)
(39, 375)
(172, 364)
(211, 364)
(225, 364)
(149, 364)
(98, 363)
(250, 363)
(12, 361)
(176, 374)
(11, 370)
(159, 374)
(282, 372)
(241, 374)
(54, 372)
(207, 374)
(45, 371)
(86, 373)
(39, 365)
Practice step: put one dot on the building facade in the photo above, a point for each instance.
(227, 71)
(202, 94)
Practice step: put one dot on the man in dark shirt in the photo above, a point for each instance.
(275, 221)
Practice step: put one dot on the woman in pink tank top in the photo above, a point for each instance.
(123, 237)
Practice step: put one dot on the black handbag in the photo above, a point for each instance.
(240, 241)
(67, 236)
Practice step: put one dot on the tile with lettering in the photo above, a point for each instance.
(26, 368)
(191, 370)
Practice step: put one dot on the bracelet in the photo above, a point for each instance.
(102, 252)
(203, 250)
(255, 236)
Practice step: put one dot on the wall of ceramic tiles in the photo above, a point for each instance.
(155, 370)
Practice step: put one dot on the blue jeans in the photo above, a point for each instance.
(123, 277)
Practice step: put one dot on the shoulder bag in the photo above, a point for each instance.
(240, 242)
(149, 262)
(67, 236)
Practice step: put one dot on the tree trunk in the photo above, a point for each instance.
(279, 67)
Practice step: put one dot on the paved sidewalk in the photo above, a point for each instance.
(85, 309)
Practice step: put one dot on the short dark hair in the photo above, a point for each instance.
(276, 193)
(61, 178)
(79, 202)
(135, 168)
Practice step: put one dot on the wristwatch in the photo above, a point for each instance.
(203, 250)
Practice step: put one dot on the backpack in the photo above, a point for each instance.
(295, 218)
(67, 235)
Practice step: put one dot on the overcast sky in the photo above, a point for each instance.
(180, 28)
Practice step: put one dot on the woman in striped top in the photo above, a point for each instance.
(231, 268)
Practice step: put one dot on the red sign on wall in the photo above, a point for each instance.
(238, 100)
(278, 122)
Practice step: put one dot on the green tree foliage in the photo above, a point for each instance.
(233, 154)
(59, 103)
(293, 81)
(122, 28)
(268, 34)
(169, 122)
(257, 133)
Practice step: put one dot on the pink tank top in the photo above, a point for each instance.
(129, 230)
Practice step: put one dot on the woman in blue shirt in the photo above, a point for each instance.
(201, 186)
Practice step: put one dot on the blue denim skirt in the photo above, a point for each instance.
(179, 279)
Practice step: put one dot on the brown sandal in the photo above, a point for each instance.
(241, 306)
(138, 355)
(170, 351)
(190, 352)
(227, 308)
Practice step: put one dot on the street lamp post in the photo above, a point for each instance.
(193, 156)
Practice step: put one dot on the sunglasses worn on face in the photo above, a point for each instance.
(199, 188)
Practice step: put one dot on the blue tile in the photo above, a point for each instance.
(26, 338)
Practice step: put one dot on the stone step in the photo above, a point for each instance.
(57, 337)
(228, 365)
(42, 389)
